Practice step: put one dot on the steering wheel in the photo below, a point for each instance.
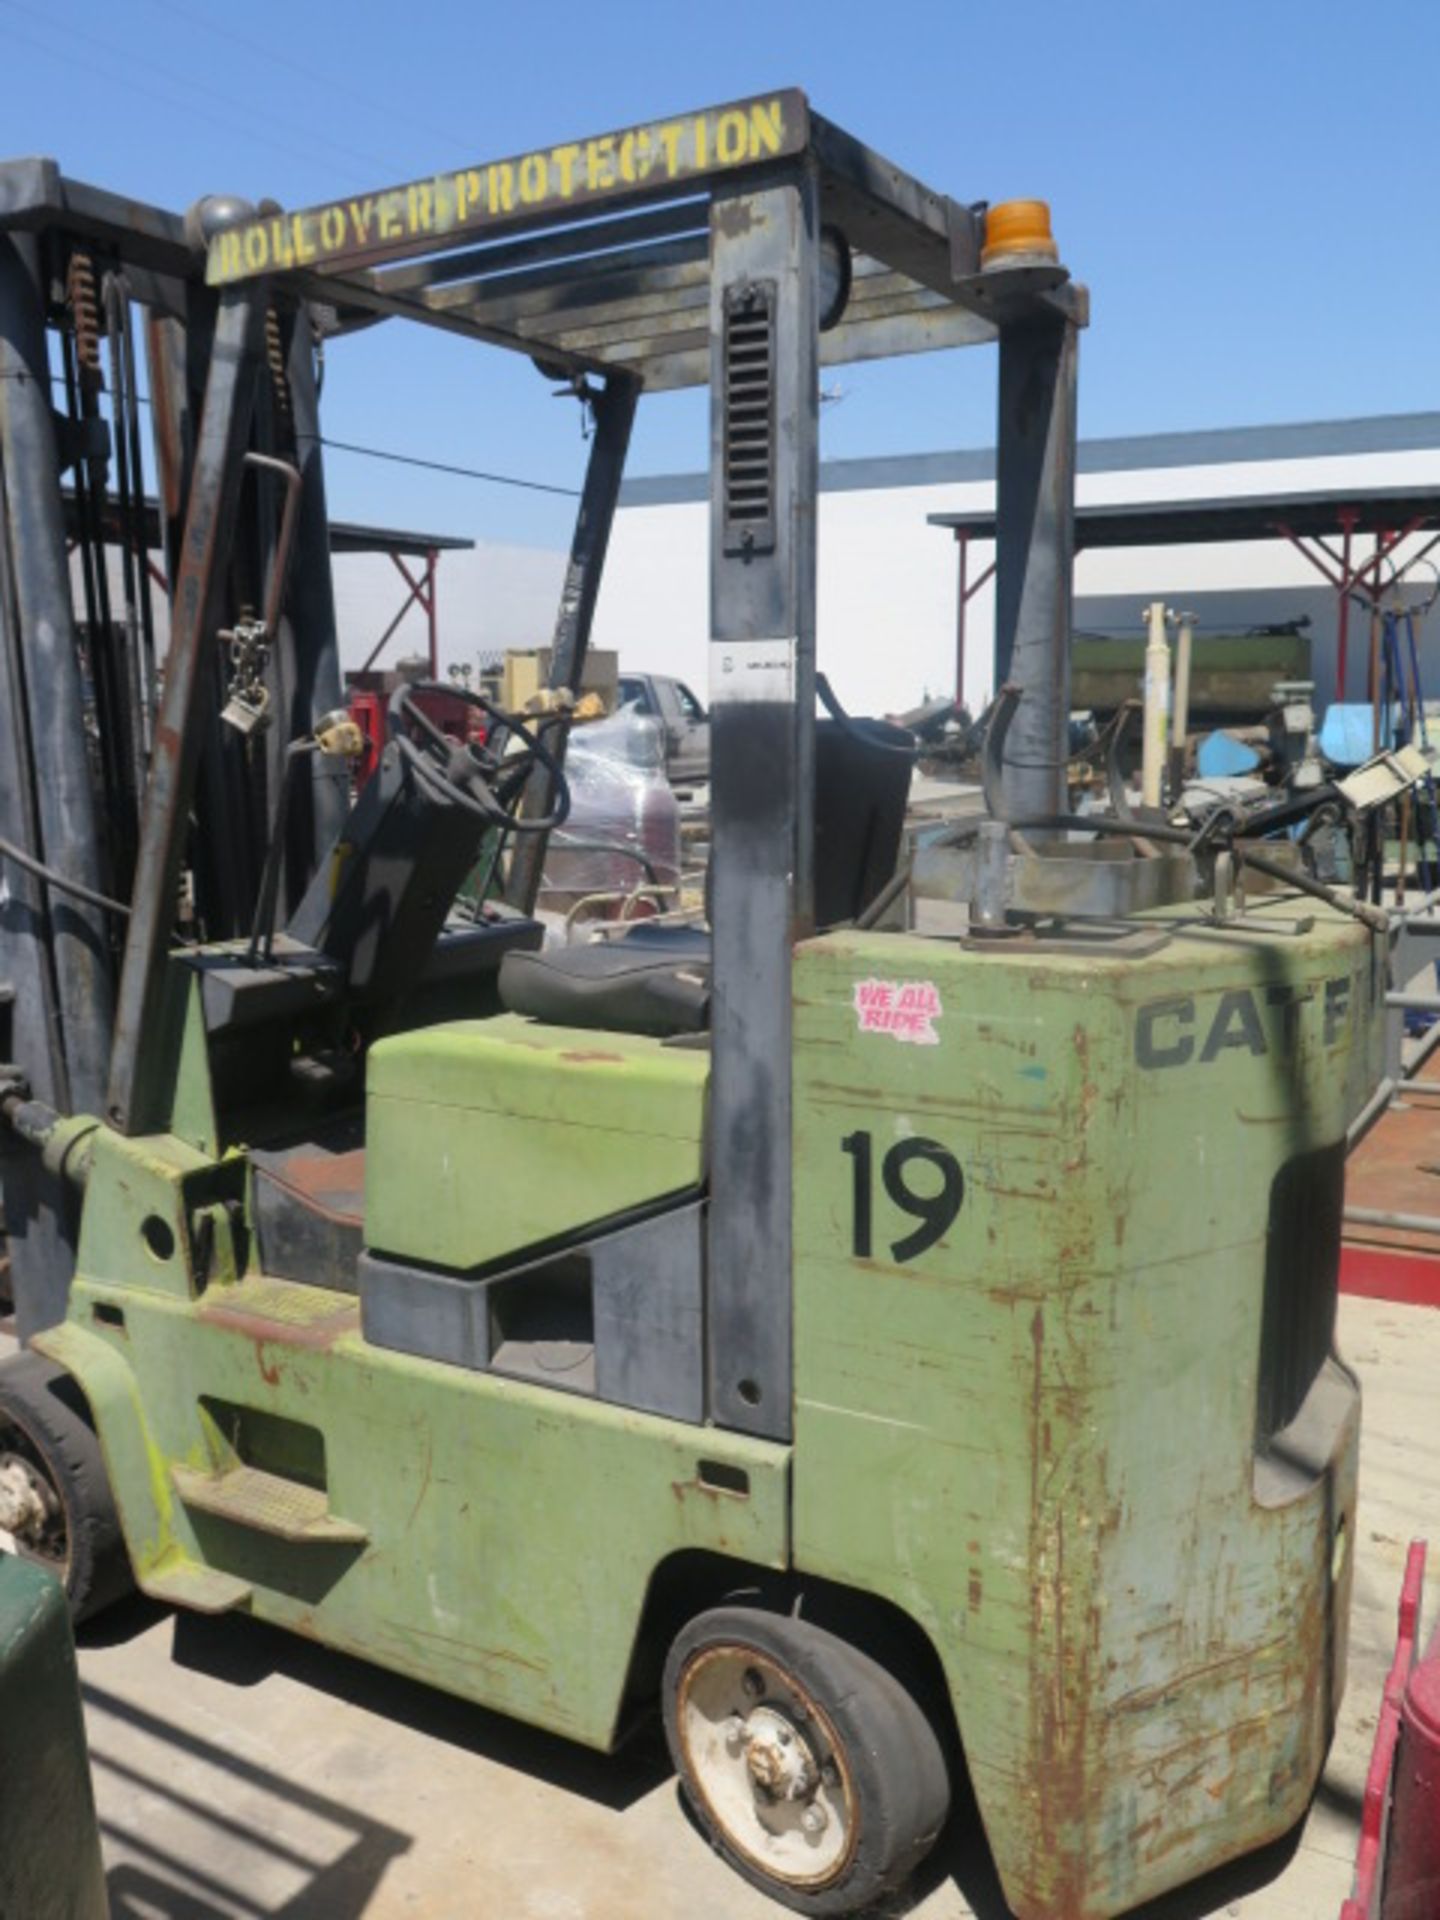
(466, 773)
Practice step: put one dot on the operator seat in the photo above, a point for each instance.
(656, 979)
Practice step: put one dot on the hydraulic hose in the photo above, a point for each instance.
(61, 884)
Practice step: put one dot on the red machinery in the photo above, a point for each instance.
(1397, 1869)
(368, 698)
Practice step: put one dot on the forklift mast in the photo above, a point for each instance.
(102, 793)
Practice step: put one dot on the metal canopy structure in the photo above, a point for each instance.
(1326, 513)
(345, 536)
(594, 256)
(1309, 521)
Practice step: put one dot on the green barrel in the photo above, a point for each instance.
(49, 1841)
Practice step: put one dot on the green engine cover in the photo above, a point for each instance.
(1067, 1239)
(486, 1136)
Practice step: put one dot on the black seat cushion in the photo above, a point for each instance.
(655, 981)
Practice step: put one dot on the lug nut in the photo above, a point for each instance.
(813, 1819)
(734, 1731)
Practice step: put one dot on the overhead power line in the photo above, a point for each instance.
(80, 47)
(322, 85)
(444, 466)
(399, 459)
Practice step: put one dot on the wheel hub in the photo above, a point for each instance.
(768, 1766)
(778, 1756)
(27, 1505)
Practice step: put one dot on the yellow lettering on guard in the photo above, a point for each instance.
(348, 233)
(600, 162)
(767, 128)
(731, 138)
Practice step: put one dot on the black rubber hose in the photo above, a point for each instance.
(28, 861)
(1373, 917)
(1135, 829)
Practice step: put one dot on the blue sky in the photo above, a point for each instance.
(1248, 188)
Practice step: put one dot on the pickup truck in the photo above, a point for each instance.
(684, 722)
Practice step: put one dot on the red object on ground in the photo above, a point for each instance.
(1411, 1885)
(1368, 1900)
(1390, 1273)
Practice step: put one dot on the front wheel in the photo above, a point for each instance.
(56, 1506)
(811, 1769)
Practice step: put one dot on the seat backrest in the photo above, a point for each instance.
(862, 784)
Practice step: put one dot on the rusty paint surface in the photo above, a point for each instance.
(274, 1312)
(1038, 1435)
(488, 1504)
(333, 1183)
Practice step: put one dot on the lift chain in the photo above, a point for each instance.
(84, 301)
(275, 360)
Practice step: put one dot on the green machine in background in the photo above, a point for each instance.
(1233, 676)
(893, 1329)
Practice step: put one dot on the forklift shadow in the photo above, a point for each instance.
(258, 1845)
(245, 1652)
(117, 1626)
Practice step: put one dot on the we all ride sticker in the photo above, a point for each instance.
(905, 1009)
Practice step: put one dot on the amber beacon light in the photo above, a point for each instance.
(1018, 230)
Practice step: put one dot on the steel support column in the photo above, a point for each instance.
(311, 602)
(614, 406)
(178, 356)
(48, 664)
(1034, 555)
(37, 1214)
(169, 346)
(762, 742)
(140, 1084)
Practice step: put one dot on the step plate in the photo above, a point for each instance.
(268, 1504)
(184, 1583)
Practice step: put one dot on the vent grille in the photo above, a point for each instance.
(750, 419)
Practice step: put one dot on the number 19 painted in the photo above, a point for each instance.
(935, 1211)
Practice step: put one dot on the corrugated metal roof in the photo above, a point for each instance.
(1211, 446)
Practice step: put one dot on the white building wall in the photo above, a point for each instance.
(488, 598)
(887, 580)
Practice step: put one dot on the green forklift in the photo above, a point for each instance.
(889, 1328)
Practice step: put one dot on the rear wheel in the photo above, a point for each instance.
(55, 1503)
(809, 1766)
